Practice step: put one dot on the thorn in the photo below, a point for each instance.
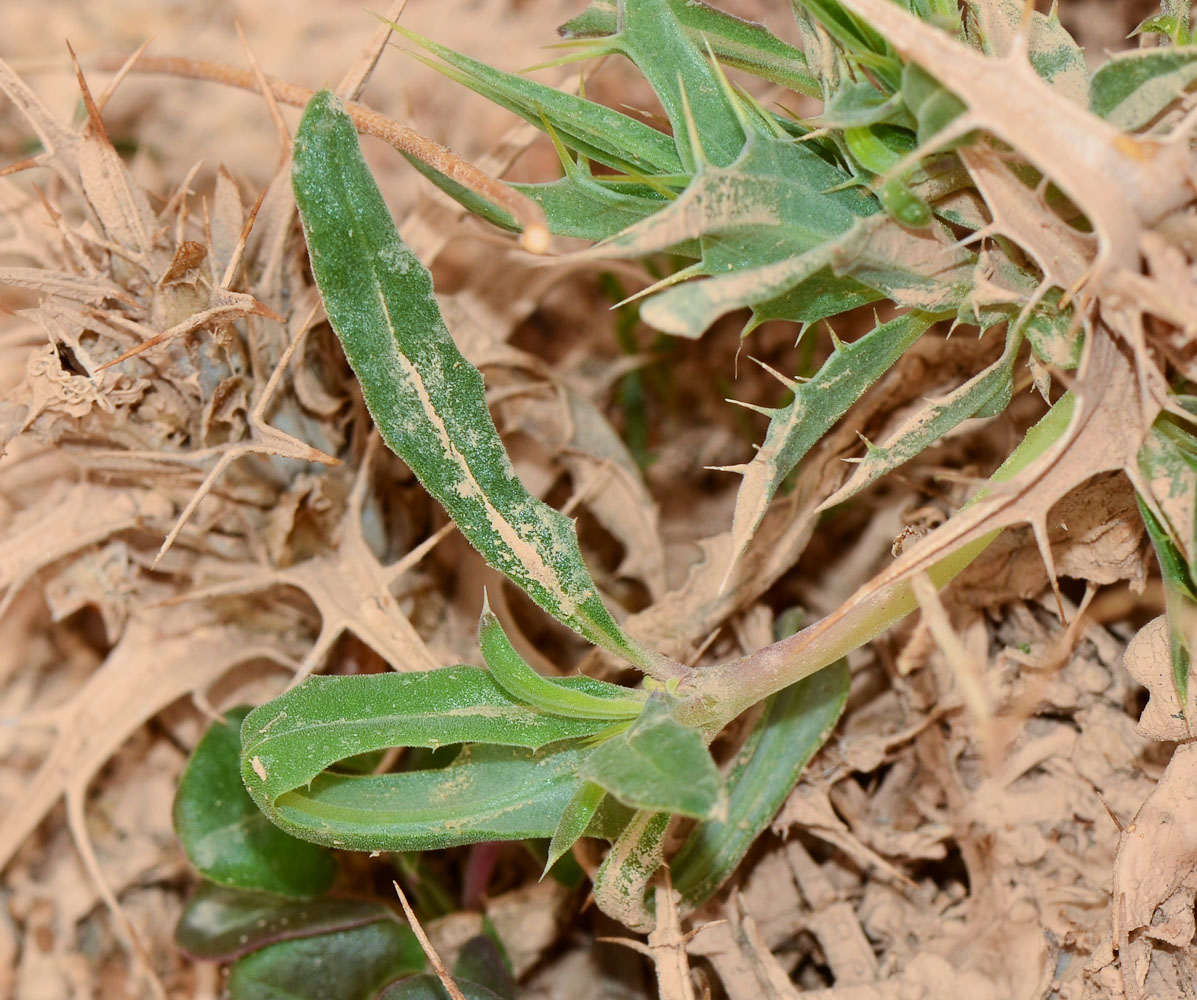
(93, 113)
(764, 411)
(836, 343)
(1039, 528)
(741, 469)
(696, 150)
(792, 384)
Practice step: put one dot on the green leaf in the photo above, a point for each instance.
(1168, 463)
(742, 44)
(352, 964)
(706, 122)
(989, 390)
(1130, 89)
(659, 764)
(426, 398)
(817, 405)
(576, 817)
(1180, 601)
(770, 224)
(1053, 52)
(291, 739)
(487, 793)
(429, 987)
(224, 834)
(221, 924)
(599, 133)
(796, 722)
(481, 961)
(524, 684)
(622, 879)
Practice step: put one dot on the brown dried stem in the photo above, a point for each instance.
(526, 212)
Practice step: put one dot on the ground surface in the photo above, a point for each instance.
(960, 836)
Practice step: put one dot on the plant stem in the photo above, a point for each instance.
(407, 140)
(722, 692)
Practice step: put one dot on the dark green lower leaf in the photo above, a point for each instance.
(225, 835)
(351, 964)
(222, 924)
(428, 987)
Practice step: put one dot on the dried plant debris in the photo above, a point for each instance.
(196, 511)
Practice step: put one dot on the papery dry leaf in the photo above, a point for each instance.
(1149, 661)
(1155, 873)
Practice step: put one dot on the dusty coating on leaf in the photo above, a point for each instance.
(428, 401)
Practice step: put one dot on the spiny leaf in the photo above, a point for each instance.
(771, 224)
(706, 125)
(817, 405)
(426, 399)
(1053, 52)
(613, 139)
(989, 388)
(1132, 88)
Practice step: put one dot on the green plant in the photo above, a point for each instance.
(792, 220)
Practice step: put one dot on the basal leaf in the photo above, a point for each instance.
(742, 44)
(796, 722)
(487, 793)
(225, 835)
(523, 683)
(658, 764)
(1131, 88)
(794, 429)
(291, 739)
(426, 399)
(429, 987)
(221, 924)
(1053, 52)
(352, 964)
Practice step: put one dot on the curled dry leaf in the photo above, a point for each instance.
(1149, 661)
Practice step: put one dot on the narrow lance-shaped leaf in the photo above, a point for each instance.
(523, 683)
(796, 722)
(607, 136)
(288, 741)
(817, 405)
(426, 398)
(1133, 87)
(574, 821)
(698, 103)
(935, 420)
(486, 793)
(1179, 600)
(735, 42)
